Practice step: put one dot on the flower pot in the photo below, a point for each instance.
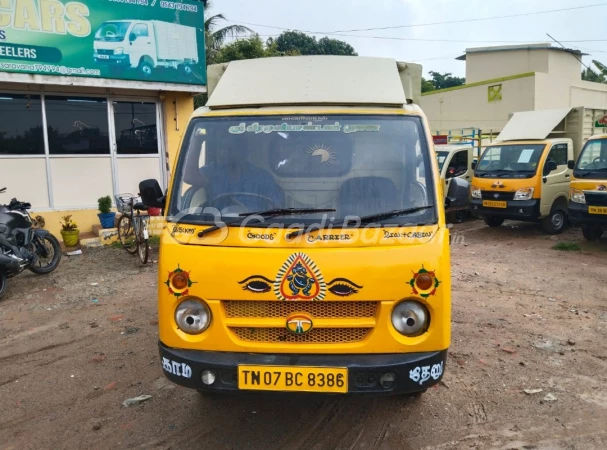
(107, 220)
(70, 238)
(154, 211)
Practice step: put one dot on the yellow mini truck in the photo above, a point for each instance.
(525, 175)
(306, 247)
(588, 204)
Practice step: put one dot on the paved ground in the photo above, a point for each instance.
(525, 317)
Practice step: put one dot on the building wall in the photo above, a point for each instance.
(77, 181)
(551, 92)
(488, 65)
(589, 94)
(469, 105)
(565, 65)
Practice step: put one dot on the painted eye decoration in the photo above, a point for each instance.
(342, 287)
(257, 284)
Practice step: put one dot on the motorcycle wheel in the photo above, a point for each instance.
(44, 265)
(3, 283)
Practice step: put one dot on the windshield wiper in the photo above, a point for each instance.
(267, 213)
(366, 219)
(495, 172)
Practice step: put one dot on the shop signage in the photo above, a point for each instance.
(143, 40)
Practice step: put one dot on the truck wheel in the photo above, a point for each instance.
(494, 221)
(556, 221)
(592, 232)
(2, 283)
(145, 68)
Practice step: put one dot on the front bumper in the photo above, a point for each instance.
(524, 210)
(578, 215)
(113, 60)
(414, 371)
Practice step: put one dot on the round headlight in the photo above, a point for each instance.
(192, 316)
(410, 318)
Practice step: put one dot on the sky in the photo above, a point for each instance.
(332, 15)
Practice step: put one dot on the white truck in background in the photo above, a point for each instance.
(146, 45)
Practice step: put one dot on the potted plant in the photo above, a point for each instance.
(69, 231)
(106, 216)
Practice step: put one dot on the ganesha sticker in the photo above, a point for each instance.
(179, 282)
(424, 283)
(299, 279)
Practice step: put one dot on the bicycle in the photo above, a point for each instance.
(133, 228)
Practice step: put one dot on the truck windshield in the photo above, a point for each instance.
(112, 31)
(355, 165)
(593, 160)
(510, 161)
(441, 157)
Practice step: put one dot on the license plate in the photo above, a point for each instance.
(103, 56)
(597, 209)
(302, 379)
(494, 204)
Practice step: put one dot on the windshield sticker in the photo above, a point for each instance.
(287, 128)
(327, 155)
(299, 279)
(526, 155)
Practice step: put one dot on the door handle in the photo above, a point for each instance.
(566, 176)
(467, 177)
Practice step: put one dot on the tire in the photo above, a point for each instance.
(143, 247)
(592, 232)
(53, 263)
(3, 283)
(126, 234)
(556, 220)
(457, 216)
(145, 69)
(494, 221)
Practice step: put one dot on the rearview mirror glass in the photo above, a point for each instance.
(458, 194)
(571, 164)
(151, 194)
(549, 167)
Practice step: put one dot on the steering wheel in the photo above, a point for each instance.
(231, 196)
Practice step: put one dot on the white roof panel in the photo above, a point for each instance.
(309, 80)
(532, 124)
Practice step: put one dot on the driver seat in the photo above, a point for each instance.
(367, 195)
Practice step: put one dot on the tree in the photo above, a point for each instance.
(215, 38)
(427, 85)
(298, 43)
(249, 48)
(445, 80)
(591, 75)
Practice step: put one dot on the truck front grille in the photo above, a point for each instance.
(252, 325)
(319, 310)
(596, 198)
(314, 336)
(501, 195)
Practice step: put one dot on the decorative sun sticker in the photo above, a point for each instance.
(327, 156)
(179, 282)
(299, 279)
(424, 283)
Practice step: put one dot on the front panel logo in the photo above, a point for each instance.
(601, 187)
(498, 184)
(299, 279)
(299, 323)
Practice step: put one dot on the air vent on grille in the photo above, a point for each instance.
(315, 336)
(319, 310)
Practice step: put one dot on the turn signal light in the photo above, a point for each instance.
(424, 281)
(179, 281)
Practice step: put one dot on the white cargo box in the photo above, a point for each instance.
(175, 42)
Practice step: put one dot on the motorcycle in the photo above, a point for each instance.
(22, 246)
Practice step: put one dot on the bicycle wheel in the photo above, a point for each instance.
(126, 234)
(143, 246)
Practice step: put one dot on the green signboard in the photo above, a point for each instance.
(143, 40)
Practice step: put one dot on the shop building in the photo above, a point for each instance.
(91, 113)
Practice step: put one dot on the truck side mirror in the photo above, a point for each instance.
(549, 167)
(132, 37)
(571, 164)
(458, 195)
(473, 165)
(151, 194)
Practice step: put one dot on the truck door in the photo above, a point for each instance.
(556, 182)
(458, 165)
(141, 48)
